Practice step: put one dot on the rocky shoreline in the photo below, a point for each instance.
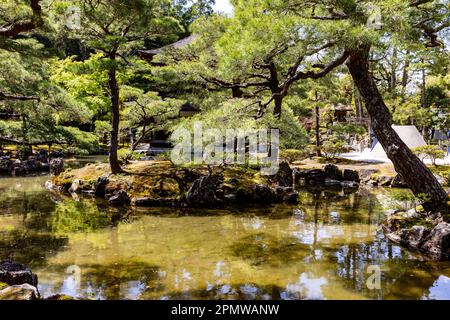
(160, 184)
(39, 162)
(420, 231)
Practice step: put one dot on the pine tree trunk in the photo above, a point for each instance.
(417, 176)
(115, 117)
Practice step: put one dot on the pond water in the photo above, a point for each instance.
(320, 249)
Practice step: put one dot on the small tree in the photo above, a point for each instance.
(112, 28)
(431, 151)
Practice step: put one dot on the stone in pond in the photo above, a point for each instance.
(13, 273)
(19, 292)
(121, 198)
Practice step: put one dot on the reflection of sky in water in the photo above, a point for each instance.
(252, 223)
(305, 288)
(440, 289)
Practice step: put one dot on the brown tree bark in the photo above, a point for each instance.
(115, 116)
(415, 173)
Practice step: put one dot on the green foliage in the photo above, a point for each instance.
(334, 147)
(293, 155)
(125, 154)
(431, 151)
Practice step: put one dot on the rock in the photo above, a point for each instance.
(121, 198)
(56, 154)
(52, 187)
(398, 182)
(19, 292)
(365, 175)
(5, 165)
(100, 187)
(315, 176)
(351, 175)
(263, 194)
(413, 236)
(349, 184)
(385, 181)
(76, 184)
(331, 182)
(333, 172)
(291, 197)
(437, 243)
(56, 166)
(203, 191)
(14, 273)
(284, 176)
(244, 195)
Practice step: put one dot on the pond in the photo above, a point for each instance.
(320, 249)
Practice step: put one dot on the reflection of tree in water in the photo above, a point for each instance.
(118, 280)
(43, 225)
(404, 275)
(263, 248)
(244, 291)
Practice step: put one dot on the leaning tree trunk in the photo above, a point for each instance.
(415, 173)
(115, 114)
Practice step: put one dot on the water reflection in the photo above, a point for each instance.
(320, 249)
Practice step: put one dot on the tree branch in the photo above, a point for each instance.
(16, 28)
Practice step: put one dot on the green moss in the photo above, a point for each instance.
(3, 285)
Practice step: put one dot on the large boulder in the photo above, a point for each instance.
(263, 194)
(314, 176)
(284, 176)
(100, 187)
(333, 172)
(5, 165)
(56, 166)
(203, 191)
(19, 292)
(351, 175)
(14, 273)
(366, 175)
(121, 198)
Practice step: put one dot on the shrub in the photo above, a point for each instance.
(292, 155)
(125, 155)
(332, 148)
(432, 151)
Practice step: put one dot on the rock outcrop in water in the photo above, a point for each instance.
(427, 233)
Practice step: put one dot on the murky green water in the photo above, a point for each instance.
(318, 250)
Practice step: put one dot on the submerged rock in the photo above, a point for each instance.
(19, 292)
(14, 273)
